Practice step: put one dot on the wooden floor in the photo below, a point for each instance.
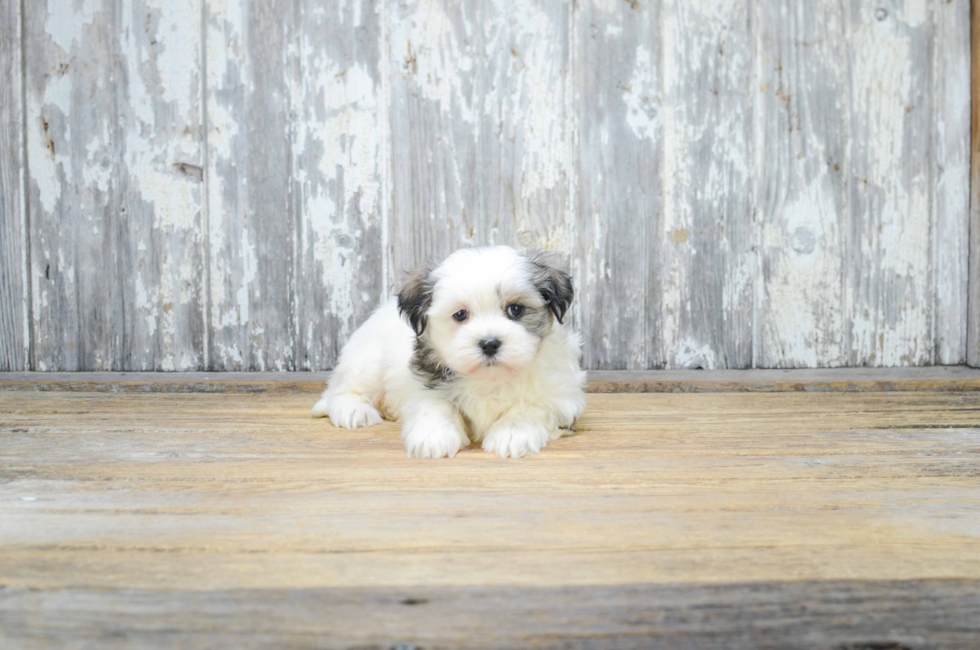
(735, 520)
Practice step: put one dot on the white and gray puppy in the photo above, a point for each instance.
(472, 350)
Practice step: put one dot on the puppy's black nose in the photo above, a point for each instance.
(489, 346)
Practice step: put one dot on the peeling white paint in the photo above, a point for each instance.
(692, 354)
(67, 21)
(350, 135)
(803, 321)
(44, 165)
(914, 12)
(337, 146)
(249, 262)
(607, 6)
(48, 130)
(644, 111)
(896, 324)
(233, 259)
(951, 169)
(178, 35)
(533, 76)
(433, 56)
(507, 106)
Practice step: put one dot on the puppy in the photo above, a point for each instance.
(472, 351)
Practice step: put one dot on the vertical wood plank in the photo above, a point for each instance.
(951, 178)
(14, 327)
(162, 159)
(973, 283)
(890, 284)
(70, 134)
(620, 207)
(708, 264)
(481, 138)
(251, 212)
(337, 143)
(113, 140)
(800, 194)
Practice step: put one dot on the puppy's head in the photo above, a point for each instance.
(485, 310)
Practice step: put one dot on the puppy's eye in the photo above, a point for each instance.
(461, 315)
(515, 310)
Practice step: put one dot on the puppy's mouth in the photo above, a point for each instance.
(493, 365)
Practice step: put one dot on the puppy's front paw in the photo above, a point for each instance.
(515, 439)
(347, 411)
(433, 438)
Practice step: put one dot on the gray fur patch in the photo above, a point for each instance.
(536, 320)
(427, 366)
(554, 284)
(416, 296)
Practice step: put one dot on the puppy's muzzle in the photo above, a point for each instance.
(490, 347)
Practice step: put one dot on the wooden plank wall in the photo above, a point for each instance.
(973, 319)
(14, 300)
(115, 153)
(234, 185)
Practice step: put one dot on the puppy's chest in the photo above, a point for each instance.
(481, 407)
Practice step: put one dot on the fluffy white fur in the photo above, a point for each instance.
(446, 391)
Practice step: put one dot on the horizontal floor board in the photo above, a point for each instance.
(817, 615)
(781, 519)
(941, 378)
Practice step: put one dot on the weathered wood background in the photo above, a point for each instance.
(225, 184)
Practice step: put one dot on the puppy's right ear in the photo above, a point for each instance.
(554, 284)
(415, 297)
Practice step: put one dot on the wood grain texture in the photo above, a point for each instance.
(708, 73)
(235, 185)
(481, 135)
(801, 197)
(338, 147)
(14, 281)
(129, 512)
(296, 195)
(973, 283)
(889, 280)
(618, 62)
(113, 138)
(926, 378)
(951, 178)
(251, 206)
(897, 615)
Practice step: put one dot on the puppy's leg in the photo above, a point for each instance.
(433, 428)
(356, 387)
(351, 397)
(567, 412)
(348, 399)
(519, 433)
(347, 410)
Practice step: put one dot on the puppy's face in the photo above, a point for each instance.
(484, 311)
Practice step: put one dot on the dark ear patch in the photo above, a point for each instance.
(554, 284)
(415, 297)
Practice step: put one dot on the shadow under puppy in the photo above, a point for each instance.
(472, 350)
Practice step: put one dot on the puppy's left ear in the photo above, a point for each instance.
(415, 297)
(554, 284)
